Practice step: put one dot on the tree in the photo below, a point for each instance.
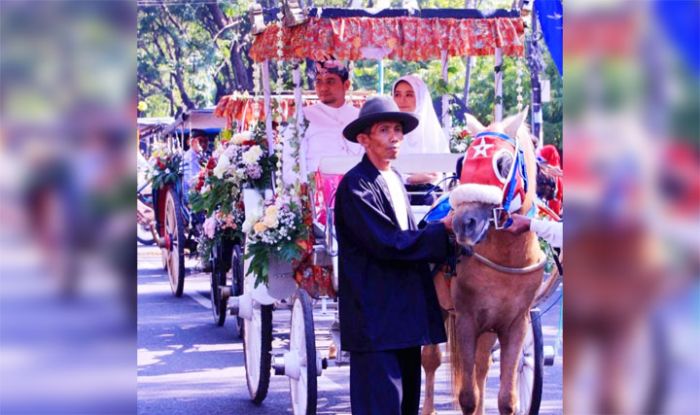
(190, 55)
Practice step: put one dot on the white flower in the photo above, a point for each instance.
(230, 151)
(252, 155)
(221, 166)
(272, 211)
(238, 139)
(209, 227)
(270, 221)
(205, 189)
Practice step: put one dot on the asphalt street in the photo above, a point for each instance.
(188, 365)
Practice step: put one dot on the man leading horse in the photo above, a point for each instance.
(387, 301)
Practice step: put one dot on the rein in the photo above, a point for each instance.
(509, 270)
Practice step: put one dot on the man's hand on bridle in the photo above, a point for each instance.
(447, 221)
(520, 224)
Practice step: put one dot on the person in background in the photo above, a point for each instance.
(411, 95)
(327, 118)
(193, 158)
(550, 154)
(550, 231)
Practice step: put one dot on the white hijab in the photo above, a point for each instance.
(428, 137)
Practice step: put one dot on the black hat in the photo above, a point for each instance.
(196, 133)
(379, 109)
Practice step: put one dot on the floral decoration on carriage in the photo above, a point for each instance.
(240, 160)
(165, 165)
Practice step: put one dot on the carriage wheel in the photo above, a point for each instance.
(175, 239)
(302, 347)
(257, 348)
(218, 278)
(144, 235)
(237, 282)
(530, 368)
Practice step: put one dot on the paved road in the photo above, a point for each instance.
(188, 365)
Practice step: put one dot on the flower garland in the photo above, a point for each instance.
(256, 79)
(281, 231)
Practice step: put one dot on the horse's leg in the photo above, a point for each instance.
(466, 338)
(613, 348)
(430, 359)
(483, 361)
(573, 339)
(511, 340)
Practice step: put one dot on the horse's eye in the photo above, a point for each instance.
(502, 162)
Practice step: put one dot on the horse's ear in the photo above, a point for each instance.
(512, 124)
(473, 125)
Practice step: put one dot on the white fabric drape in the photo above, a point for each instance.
(428, 137)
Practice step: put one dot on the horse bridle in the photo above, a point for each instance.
(517, 167)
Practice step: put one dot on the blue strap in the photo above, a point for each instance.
(494, 134)
(511, 187)
(439, 211)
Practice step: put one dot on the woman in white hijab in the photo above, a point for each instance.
(412, 95)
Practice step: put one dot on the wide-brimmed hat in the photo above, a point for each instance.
(379, 109)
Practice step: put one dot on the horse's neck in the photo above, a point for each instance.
(510, 250)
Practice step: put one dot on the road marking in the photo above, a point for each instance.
(200, 299)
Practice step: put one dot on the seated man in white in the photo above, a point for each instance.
(324, 135)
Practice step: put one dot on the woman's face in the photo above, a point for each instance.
(405, 97)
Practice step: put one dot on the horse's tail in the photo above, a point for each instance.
(455, 361)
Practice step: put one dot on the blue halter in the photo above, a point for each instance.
(519, 167)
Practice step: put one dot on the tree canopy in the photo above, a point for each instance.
(190, 54)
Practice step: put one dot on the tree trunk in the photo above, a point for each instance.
(242, 75)
(218, 15)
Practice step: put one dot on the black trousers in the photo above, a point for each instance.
(385, 383)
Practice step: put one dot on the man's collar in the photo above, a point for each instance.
(333, 108)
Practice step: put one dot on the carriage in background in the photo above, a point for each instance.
(175, 227)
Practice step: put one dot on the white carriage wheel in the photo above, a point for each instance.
(302, 345)
(530, 367)
(174, 229)
(257, 347)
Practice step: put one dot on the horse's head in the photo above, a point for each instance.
(494, 181)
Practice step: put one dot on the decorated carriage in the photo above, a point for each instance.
(284, 250)
(175, 226)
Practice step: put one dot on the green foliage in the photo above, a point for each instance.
(481, 91)
(208, 69)
(167, 170)
(219, 197)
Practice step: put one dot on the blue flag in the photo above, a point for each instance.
(550, 14)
